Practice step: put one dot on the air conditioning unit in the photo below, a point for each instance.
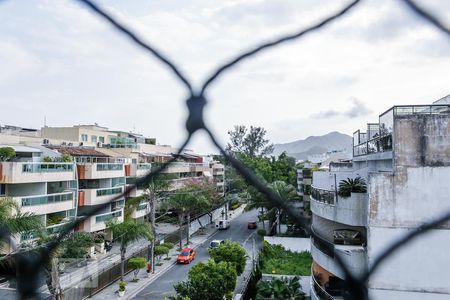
(99, 144)
(46, 142)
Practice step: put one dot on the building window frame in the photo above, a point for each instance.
(84, 137)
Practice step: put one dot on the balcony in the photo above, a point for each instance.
(101, 196)
(97, 222)
(26, 172)
(319, 293)
(350, 250)
(183, 167)
(351, 211)
(100, 170)
(45, 204)
(140, 211)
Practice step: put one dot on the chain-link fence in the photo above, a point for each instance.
(24, 265)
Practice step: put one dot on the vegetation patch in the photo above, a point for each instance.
(275, 259)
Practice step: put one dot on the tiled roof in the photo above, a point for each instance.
(78, 151)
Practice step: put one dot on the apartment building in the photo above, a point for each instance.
(404, 159)
(304, 181)
(47, 189)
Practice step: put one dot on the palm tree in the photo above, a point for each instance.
(126, 233)
(187, 201)
(14, 221)
(74, 246)
(286, 192)
(348, 186)
(280, 289)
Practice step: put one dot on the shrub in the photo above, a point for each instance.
(168, 245)
(122, 285)
(137, 263)
(160, 251)
(275, 259)
(261, 232)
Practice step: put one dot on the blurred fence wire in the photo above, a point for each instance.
(25, 265)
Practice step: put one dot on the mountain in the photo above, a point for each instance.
(301, 149)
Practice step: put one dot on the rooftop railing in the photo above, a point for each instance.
(320, 292)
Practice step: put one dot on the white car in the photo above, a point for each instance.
(215, 243)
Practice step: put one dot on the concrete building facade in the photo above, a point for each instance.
(405, 161)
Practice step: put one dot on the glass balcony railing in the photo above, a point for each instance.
(109, 167)
(47, 167)
(322, 244)
(108, 191)
(46, 199)
(144, 166)
(324, 196)
(108, 216)
(142, 206)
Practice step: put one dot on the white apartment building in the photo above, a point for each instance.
(405, 161)
(47, 189)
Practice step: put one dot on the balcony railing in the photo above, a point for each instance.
(324, 196)
(108, 216)
(322, 244)
(375, 145)
(46, 199)
(320, 292)
(109, 167)
(142, 206)
(47, 167)
(108, 191)
(144, 166)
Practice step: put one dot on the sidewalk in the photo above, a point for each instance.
(133, 288)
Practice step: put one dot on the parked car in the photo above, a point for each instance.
(186, 256)
(223, 224)
(216, 243)
(252, 225)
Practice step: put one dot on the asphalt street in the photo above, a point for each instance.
(163, 286)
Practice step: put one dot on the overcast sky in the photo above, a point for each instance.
(59, 61)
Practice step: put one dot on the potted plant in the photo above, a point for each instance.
(122, 285)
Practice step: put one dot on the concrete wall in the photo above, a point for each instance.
(422, 140)
(400, 201)
(350, 211)
(421, 266)
(326, 181)
(61, 133)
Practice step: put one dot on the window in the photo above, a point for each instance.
(93, 138)
(2, 189)
(84, 137)
(101, 139)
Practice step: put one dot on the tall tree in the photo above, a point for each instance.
(251, 142)
(231, 252)
(75, 246)
(126, 233)
(193, 197)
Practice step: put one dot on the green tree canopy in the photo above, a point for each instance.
(6, 153)
(231, 252)
(137, 263)
(209, 280)
(251, 141)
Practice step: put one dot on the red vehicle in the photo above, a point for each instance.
(252, 225)
(186, 256)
